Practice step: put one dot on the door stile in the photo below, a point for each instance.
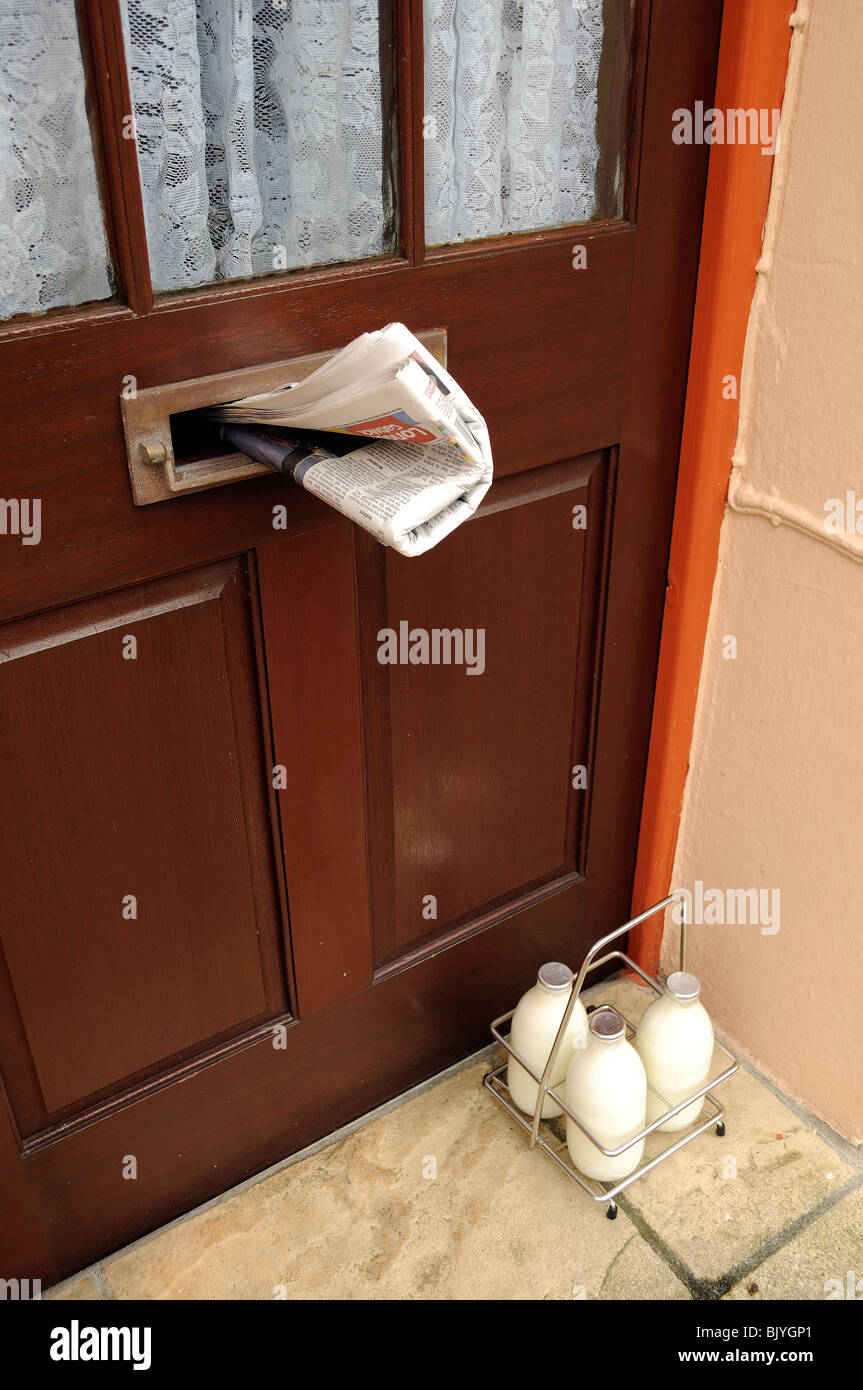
(308, 598)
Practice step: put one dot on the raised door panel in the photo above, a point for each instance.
(140, 916)
(480, 660)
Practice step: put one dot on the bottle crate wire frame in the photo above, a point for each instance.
(539, 1132)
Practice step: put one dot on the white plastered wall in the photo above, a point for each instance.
(774, 795)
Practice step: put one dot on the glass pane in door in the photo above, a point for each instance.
(53, 250)
(525, 107)
(261, 134)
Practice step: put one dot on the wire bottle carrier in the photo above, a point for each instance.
(495, 1080)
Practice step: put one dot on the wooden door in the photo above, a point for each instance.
(256, 882)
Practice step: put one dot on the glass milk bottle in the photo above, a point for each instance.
(535, 1022)
(675, 1043)
(607, 1089)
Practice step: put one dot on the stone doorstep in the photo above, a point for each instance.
(436, 1195)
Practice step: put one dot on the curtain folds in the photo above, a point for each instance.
(53, 250)
(260, 134)
(511, 106)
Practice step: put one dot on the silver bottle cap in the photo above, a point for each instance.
(555, 975)
(605, 1022)
(683, 986)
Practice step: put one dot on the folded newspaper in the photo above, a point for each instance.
(381, 432)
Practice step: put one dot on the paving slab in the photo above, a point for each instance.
(823, 1261)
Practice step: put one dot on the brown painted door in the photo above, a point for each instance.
(206, 963)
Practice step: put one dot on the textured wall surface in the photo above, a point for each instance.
(774, 797)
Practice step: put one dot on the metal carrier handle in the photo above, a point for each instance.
(589, 964)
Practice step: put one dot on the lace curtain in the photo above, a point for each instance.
(260, 134)
(511, 106)
(52, 239)
(261, 131)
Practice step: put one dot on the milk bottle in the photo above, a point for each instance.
(535, 1023)
(607, 1088)
(675, 1043)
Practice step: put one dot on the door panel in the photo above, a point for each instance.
(134, 752)
(279, 802)
(476, 797)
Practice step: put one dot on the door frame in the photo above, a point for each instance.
(753, 62)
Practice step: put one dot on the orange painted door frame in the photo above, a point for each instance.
(753, 62)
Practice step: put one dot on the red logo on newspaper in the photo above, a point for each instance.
(399, 426)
